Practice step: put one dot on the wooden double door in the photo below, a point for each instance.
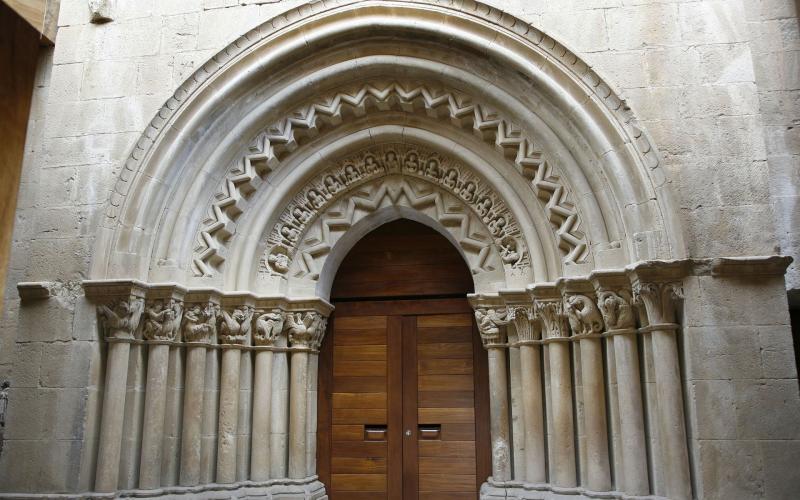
(403, 402)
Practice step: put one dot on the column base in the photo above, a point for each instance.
(290, 489)
(519, 490)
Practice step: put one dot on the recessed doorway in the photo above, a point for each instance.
(403, 392)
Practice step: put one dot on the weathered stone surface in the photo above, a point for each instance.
(120, 176)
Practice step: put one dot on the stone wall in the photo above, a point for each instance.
(714, 82)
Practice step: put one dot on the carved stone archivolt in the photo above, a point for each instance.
(364, 182)
(271, 146)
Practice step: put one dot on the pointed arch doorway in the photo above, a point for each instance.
(403, 385)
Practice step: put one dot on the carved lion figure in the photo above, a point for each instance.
(584, 317)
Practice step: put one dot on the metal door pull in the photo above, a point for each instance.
(375, 433)
(430, 431)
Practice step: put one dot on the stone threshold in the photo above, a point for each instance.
(295, 489)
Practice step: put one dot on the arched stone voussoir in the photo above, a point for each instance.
(513, 55)
(380, 183)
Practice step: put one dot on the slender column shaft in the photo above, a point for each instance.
(154, 410)
(498, 406)
(262, 403)
(170, 462)
(631, 414)
(228, 415)
(563, 467)
(113, 416)
(192, 415)
(672, 427)
(516, 415)
(210, 425)
(311, 450)
(594, 412)
(533, 408)
(298, 400)
(279, 423)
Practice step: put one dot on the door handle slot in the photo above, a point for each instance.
(430, 431)
(375, 432)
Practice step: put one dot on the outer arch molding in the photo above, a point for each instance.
(588, 106)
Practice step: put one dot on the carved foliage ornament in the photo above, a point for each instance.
(394, 159)
(659, 299)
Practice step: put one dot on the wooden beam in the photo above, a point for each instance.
(41, 14)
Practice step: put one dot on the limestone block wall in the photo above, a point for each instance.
(714, 82)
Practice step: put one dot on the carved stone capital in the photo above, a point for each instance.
(549, 308)
(659, 299)
(305, 329)
(120, 306)
(269, 326)
(616, 308)
(235, 320)
(163, 312)
(584, 316)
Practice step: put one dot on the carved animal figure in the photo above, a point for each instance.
(584, 317)
(235, 327)
(268, 327)
(617, 311)
(162, 320)
(302, 328)
(489, 323)
(199, 323)
(122, 319)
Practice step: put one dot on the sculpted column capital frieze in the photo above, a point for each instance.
(236, 319)
(163, 312)
(120, 306)
(579, 306)
(491, 316)
(522, 315)
(306, 321)
(201, 310)
(549, 308)
(614, 299)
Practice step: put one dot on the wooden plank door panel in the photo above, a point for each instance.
(360, 467)
(445, 385)
(405, 371)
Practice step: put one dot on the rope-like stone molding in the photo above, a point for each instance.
(271, 147)
(384, 162)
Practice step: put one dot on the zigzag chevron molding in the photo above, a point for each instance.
(395, 175)
(271, 147)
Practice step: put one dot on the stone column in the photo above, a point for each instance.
(303, 328)
(269, 325)
(119, 319)
(199, 330)
(550, 309)
(529, 342)
(234, 332)
(491, 322)
(160, 325)
(313, 376)
(614, 302)
(657, 287)
(587, 326)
